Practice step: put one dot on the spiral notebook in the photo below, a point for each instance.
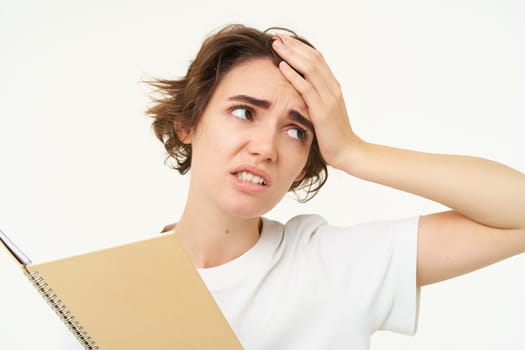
(141, 295)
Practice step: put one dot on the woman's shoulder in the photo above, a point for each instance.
(315, 225)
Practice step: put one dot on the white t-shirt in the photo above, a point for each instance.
(307, 285)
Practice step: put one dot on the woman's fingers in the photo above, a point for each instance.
(305, 88)
(305, 68)
(307, 61)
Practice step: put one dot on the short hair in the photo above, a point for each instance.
(180, 103)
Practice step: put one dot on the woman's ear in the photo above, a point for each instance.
(184, 135)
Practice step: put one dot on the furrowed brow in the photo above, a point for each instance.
(298, 117)
(251, 100)
(295, 115)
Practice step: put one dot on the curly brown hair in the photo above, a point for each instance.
(182, 101)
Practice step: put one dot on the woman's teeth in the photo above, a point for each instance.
(249, 177)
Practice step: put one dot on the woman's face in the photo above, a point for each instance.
(252, 141)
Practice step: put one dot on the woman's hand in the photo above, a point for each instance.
(322, 94)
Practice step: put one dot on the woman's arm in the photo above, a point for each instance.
(485, 191)
(488, 199)
(487, 223)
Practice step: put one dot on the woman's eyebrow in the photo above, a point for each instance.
(298, 117)
(295, 115)
(252, 100)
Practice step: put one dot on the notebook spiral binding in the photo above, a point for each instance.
(61, 310)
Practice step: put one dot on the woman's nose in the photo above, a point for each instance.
(263, 144)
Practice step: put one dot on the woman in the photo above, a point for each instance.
(260, 114)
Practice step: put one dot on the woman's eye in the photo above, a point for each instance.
(297, 133)
(242, 113)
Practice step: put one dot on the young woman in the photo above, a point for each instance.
(260, 114)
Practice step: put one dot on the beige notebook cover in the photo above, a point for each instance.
(140, 295)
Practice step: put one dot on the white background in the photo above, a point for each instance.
(80, 167)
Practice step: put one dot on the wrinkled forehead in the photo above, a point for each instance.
(262, 79)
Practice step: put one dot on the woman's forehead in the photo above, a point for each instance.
(261, 79)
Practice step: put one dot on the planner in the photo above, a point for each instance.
(140, 295)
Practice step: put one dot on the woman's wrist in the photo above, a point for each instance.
(350, 156)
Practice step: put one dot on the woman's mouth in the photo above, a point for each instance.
(246, 176)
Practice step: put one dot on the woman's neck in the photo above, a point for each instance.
(212, 238)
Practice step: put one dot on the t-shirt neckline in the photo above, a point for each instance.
(254, 259)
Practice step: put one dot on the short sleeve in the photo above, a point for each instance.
(372, 266)
(401, 294)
